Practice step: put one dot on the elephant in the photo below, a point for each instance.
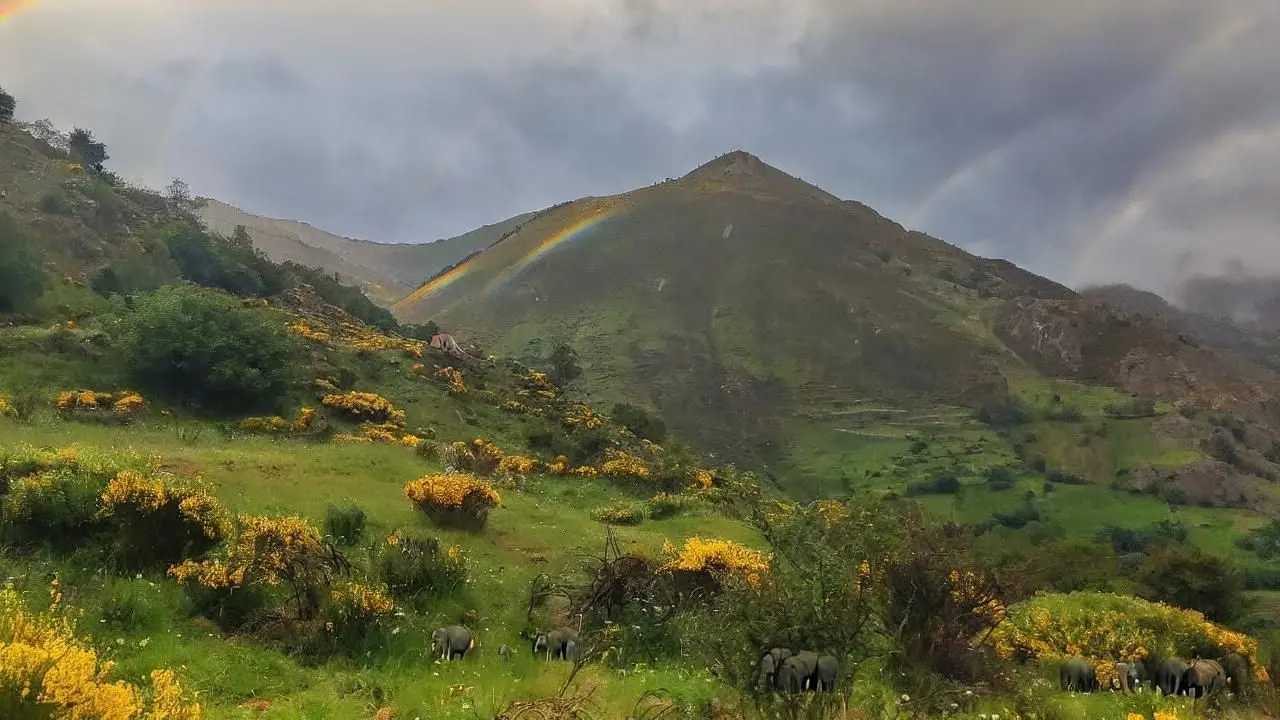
(769, 663)
(453, 641)
(570, 648)
(1077, 675)
(1204, 677)
(504, 652)
(1129, 677)
(824, 679)
(555, 644)
(1236, 666)
(1167, 675)
(796, 674)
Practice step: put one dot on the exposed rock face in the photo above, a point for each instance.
(1207, 483)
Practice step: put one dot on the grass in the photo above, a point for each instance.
(547, 529)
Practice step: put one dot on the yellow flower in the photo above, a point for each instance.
(450, 490)
(715, 555)
(365, 406)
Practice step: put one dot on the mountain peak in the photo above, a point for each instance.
(741, 171)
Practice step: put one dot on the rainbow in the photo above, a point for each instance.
(8, 8)
(430, 288)
(576, 231)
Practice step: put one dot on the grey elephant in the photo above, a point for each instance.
(452, 642)
(1204, 677)
(797, 672)
(824, 679)
(1128, 677)
(1077, 675)
(555, 644)
(1236, 666)
(1167, 675)
(769, 663)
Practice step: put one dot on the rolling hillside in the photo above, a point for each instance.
(770, 321)
(386, 271)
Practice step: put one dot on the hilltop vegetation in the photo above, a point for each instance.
(265, 496)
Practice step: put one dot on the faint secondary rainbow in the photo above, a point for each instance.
(576, 231)
(8, 8)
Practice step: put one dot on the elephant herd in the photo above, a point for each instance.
(455, 641)
(784, 671)
(1171, 676)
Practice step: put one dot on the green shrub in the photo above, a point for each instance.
(1064, 413)
(356, 622)
(1004, 411)
(620, 514)
(157, 524)
(345, 524)
(7, 105)
(1000, 478)
(56, 202)
(415, 568)
(202, 347)
(22, 276)
(944, 484)
(130, 606)
(639, 422)
(665, 505)
(1062, 477)
(57, 508)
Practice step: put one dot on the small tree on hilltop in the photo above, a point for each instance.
(7, 105)
(177, 195)
(564, 367)
(86, 149)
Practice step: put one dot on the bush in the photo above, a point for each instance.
(1188, 577)
(562, 365)
(1000, 478)
(454, 499)
(1062, 477)
(22, 275)
(203, 347)
(365, 406)
(355, 621)
(56, 202)
(157, 524)
(944, 484)
(619, 514)
(7, 106)
(1107, 628)
(57, 507)
(665, 505)
(267, 553)
(50, 672)
(415, 568)
(1064, 413)
(345, 524)
(1135, 408)
(1004, 411)
(639, 422)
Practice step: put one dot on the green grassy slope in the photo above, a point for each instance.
(386, 271)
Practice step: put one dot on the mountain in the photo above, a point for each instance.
(1251, 340)
(387, 272)
(769, 319)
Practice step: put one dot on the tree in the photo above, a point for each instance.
(7, 105)
(1187, 577)
(22, 276)
(201, 346)
(177, 195)
(86, 149)
(639, 422)
(564, 367)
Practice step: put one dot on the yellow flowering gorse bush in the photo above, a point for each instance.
(307, 332)
(457, 384)
(45, 668)
(619, 464)
(6, 407)
(365, 406)
(123, 404)
(1104, 627)
(450, 490)
(359, 600)
(580, 415)
(713, 555)
(130, 493)
(276, 425)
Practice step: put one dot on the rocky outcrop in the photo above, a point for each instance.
(1206, 483)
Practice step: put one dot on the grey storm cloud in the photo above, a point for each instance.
(1092, 141)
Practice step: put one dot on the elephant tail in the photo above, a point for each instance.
(471, 644)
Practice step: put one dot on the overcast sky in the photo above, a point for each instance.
(1090, 141)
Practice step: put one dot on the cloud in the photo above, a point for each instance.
(1092, 141)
